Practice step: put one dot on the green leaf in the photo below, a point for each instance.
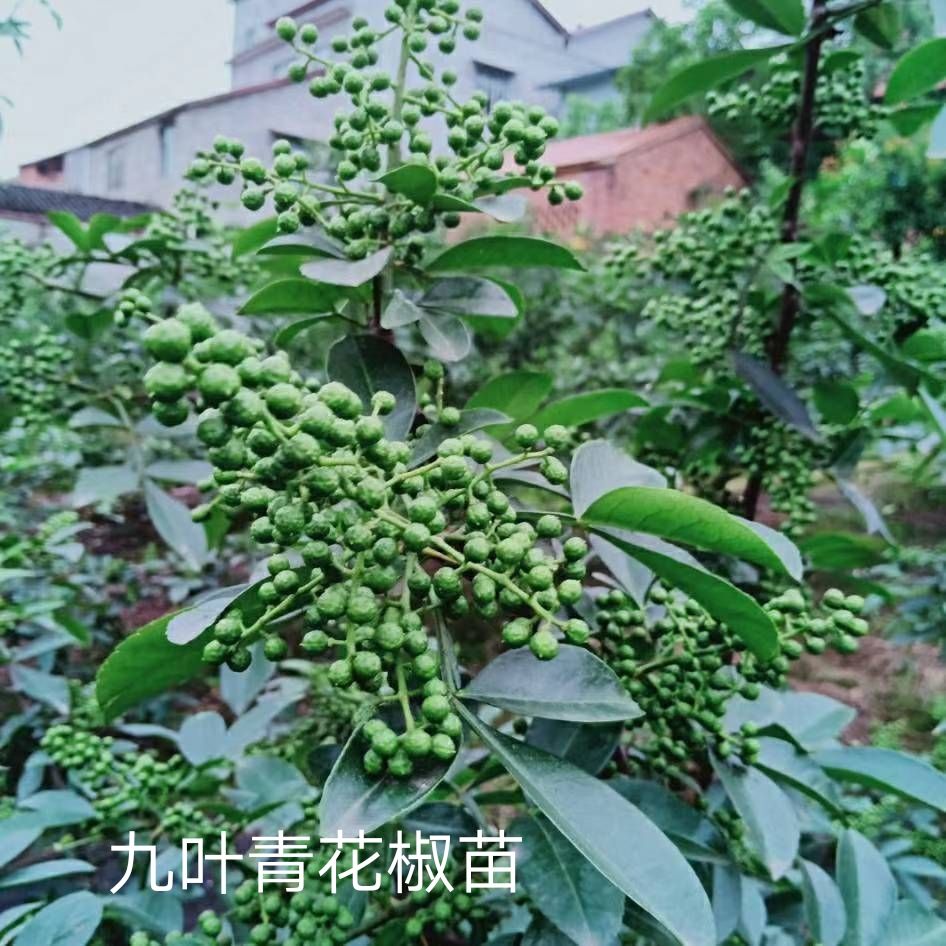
(293, 297)
(775, 394)
(103, 484)
(354, 801)
(45, 870)
(503, 252)
(837, 401)
(724, 601)
(188, 625)
(880, 24)
(576, 685)
(145, 665)
(350, 273)
(89, 325)
(566, 888)
(179, 471)
(693, 833)
(783, 16)
(99, 226)
(598, 467)
(415, 181)
(679, 517)
(608, 830)
(71, 226)
(843, 551)
(909, 119)
(70, 921)
(470, 421)
(887, 770)
(772, 827)
(203, 737)
(921, 70)
(470, 296)
(911, 925)
(704, 76)
(448, 336)
(928, 344)
(59, 807)
(255, 237)
(784, 763)
(287, 335)
(873, 519)
(173, 522)
(517, 394)
(824, 908)
(587, 745)
(867, 887)
(580, 409)
(17, 833)
(41, 686)
(367, 365)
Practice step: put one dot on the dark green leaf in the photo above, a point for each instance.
(867, 887)
(188, 625)
(145, 665)
(843, 551)
(400, 311)
(89, 325)
(286, 336)
(354, 801)
(921, 70)
(253, 238)
(837, 401)
(576, 685)
(783, 16)
(824, 908)
(587, 745)
(103, 484)
(704, 76)
(59, 807)
(772, 827)
(441, 818)
(70, 921)
(784, 763)
(928, 344)
(888, 770)
(775, 394)
(17, 833)
(566, 888)
(503, 252)
(293, 297)
(415, 181)
(517, 394)
(98, 226)
(880, 24)
(580, 409)
(679, 517)
(350, 273)
(41, 686)
(724, 601)
(367, 365)
(470, 421)
(624, 845)
(909, 119)
(173, 522)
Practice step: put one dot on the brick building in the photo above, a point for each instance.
(637, 177)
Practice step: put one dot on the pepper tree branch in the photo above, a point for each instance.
(802, 138)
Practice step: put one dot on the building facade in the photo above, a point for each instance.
(525, 53)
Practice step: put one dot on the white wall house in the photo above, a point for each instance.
(524, 53)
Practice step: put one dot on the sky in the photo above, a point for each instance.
(115, 62)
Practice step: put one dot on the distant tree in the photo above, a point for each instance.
(585, 117)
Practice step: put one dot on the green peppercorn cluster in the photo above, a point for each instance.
(387, 114)
(130, 786)
(683, 667)
(843, 106)
(692, 280)
(788, 464)
(365, 543)
(32, 372)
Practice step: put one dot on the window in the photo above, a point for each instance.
(167, 132)
(495, 82)
(115, 168)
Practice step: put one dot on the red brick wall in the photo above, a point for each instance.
(645, 189)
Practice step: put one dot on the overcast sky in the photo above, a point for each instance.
(115, 62)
